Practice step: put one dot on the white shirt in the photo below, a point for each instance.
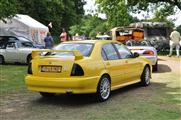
(175, 36)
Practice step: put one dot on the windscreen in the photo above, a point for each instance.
(137, 43)
(84, 48)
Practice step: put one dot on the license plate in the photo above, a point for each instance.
(54, 69)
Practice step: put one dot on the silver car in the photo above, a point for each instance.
(15, 51)
(145, 50)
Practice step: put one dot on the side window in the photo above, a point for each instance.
(2, 43)
(11, 45)
(123, 51)
(110, 51)
(103, 55)
(26, 45)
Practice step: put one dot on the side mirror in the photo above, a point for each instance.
(136, 54)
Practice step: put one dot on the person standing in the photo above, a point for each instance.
(48, 41)
(174, 42)
(63, 36)
(50, 27)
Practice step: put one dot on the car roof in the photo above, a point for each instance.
(91, 41)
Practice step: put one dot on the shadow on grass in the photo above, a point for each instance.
(162, 68)
(152, 93)
(14, 64)
(82, 99)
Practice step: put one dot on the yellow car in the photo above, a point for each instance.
(89, 66)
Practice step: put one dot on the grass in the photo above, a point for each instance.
(159, 101)
(12, 78)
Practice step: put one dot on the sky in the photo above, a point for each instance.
(91, 6)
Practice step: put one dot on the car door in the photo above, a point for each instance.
(112, 63)
(24, 49)
(131, 65)
(11, 52)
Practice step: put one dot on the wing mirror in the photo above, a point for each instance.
(135, 54)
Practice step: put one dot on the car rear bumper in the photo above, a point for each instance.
(75, 85)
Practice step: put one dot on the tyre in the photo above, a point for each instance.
(145, 77)
(155, 67)
(1, 59)
(47, 95)
(103, 89)
(29, 58)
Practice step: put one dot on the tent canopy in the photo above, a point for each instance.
(25, 26)
(29, 21)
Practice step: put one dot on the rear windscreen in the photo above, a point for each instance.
(84, 48)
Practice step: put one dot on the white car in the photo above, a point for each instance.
(145, 50)
(15, 51)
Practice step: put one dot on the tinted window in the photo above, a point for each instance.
(23, 39)
(26, 45)
(156, 31)
(12, 38)
(110, 52)
(2, 42)
(10, 45)
(137, 43)
(84, 48)
(103, 55)
(123, 51)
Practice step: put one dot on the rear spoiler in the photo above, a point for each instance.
(77, 54)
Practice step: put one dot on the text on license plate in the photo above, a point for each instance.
(56, 69)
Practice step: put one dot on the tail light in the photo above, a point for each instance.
(29, 71)
(148, 52)
(77, 70)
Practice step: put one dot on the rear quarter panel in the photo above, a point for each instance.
(145, 62)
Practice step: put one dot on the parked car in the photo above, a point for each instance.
(40, 46)
(145, 50)
(15, 51)
(20, 38)
(103, 37)
(90, 66)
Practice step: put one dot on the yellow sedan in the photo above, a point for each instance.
(90, 66)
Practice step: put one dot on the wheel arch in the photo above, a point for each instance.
(150, 68)
(105, 74)
(29, 55)
(3, 58)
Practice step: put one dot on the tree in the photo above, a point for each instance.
(8, 8)
(179, 29)
(89, 26)
(62, 13)
(161, 15)
(116, 12)
(143, 4)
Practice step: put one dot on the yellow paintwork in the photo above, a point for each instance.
(76, 53)
(122, 71)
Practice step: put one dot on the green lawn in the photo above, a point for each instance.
(12, 78)
(159, 101)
